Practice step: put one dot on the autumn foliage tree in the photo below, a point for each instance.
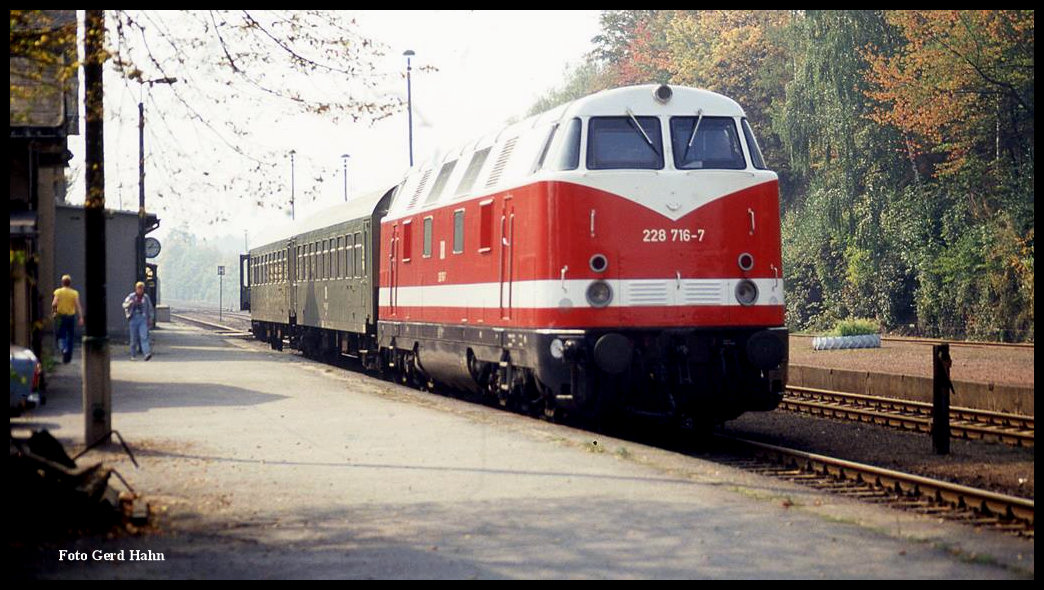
(904, 141)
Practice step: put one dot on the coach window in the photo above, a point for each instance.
(569, 152)
(335, 256)
(473, 170)
(349, 268)
(701, 142)
(458, 231)
(349, 247)
(320, 261)
(359, 270)
(328, 258)
(629, 142)
(407, 240)
(486, 226)
(427, 237)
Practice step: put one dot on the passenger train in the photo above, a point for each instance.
(619, 253)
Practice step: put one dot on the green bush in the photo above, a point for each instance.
(856, 327)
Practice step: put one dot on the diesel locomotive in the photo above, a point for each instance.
(619, 253)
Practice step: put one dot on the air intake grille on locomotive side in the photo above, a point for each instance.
(501, 163)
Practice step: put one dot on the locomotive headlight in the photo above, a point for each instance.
(598, 263)
(557, 349)
(746, 292)
(599, 294)
(745, 261)
(663, 93)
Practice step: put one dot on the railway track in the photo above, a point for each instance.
(980, 508)
(232, 326)
(968, 423)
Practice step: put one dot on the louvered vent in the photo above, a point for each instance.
(420, 189)
(702, 292)
(501, 163)
(646, 293)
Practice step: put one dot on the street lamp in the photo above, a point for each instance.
(345, 160)
(409, 99)
(139, 250)
(292, 152)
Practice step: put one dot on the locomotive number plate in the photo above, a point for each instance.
(672, 235)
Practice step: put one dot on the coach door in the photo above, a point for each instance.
(507, 260)
(291, 278)
(244, 282)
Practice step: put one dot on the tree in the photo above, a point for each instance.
(952, 65)
(237, 73)
(958, 86)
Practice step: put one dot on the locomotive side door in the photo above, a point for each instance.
(393, 269)
(507, 256)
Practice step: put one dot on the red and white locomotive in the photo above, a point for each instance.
(619, 252)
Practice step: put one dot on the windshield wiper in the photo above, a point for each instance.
(693, 136)
(642, 131)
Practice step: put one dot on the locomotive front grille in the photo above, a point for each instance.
(702, 292)
(646, 293)
(685, 292)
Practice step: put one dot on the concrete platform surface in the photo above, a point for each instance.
(261, 464)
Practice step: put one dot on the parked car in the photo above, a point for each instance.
(25, 379)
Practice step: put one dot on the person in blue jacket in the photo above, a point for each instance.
(138, 308)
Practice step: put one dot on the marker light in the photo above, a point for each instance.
(746, 292)
(599, 294)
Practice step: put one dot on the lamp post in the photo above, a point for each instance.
(409, 99)
(139, 250)
(345, 160)
(292, 152)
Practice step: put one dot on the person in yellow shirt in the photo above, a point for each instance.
(66, 308)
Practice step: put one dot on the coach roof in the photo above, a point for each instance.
(356, 208)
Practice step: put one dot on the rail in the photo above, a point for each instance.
(909, 491)
(968, 423)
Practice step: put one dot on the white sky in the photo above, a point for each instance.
(492, 67)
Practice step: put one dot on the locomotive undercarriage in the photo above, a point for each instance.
(698, 377)
(688, 376)
(685, 376)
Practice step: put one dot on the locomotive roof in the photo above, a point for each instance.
(358, 207)
(641, 100)
(516, 146)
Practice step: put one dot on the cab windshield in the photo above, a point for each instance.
(624, 142)
(701, 142)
